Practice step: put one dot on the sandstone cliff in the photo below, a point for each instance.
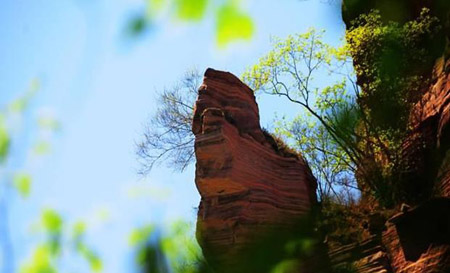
(249, 187)
(416, 240)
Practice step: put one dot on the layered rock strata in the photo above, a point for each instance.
(417, 240)
(248, 186)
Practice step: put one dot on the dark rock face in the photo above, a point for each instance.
(399, 10)
(417, 240)
(247, 189)
(431, 120)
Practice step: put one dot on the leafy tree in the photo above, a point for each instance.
(391, 60)
(341, 131)
(325, 132)
(328, 144)
(329, 163)
(362, 131)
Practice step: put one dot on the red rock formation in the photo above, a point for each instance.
(418, 240)
(431, 119)
(247, 187)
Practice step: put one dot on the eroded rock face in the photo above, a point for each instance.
(431, 119)
(247, 188)
(418, 239)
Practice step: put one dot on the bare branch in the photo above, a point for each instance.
(168, 136)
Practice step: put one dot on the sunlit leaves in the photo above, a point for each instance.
(40, 262)
(156, 4)
(93, 259)
(79, 228)
(291, 65)
(190, 10)
(60, 238)
(232, 24)
(172, 250)
(232, 21)
(324, 131)
(51, 221)
(22, 182)
(95, 263)
(391, 60)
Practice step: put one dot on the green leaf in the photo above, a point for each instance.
(40, 262)
(232, 24)
(49, 123)
(5, 142)
(42, 148)
(286, 266)
(21, 103)
(137, 26)
(190, 10)
(22, 182)
(95, 263)
(52, 221)
(140, 235)
(18, 105)
(156, 4)
(79, 229)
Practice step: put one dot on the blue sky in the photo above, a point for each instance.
(101, 88)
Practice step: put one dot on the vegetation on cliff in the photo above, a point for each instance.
(352, 133)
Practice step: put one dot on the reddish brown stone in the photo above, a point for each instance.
(246, 187)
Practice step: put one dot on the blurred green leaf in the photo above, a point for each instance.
(286, 266)
(42, 148)
(141, 235)
(190, 10)
(5, 142)
(22, 182)
(156, 4)
(40, 262)
(49, 123)
(137, 26)
(232, 24)
(78, 229)
(21, 103)
(95, 263)
(18, 105)
(51, 221)
(34, 87)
